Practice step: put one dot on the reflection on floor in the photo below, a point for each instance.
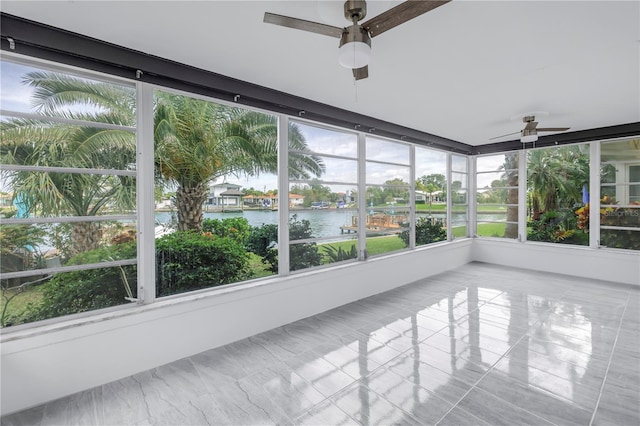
(480, 345)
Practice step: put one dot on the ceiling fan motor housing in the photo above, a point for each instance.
(355, 33)
(355, 9)
(355, 47)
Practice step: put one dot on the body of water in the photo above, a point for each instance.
(324, 223)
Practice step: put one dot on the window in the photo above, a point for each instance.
(557, 190)
(619, 192)
(633, 171)
(388, 192)
(459, 201)
(216, 193)
(323, 199)
(71, 185)
(497, 195)
(430, 196)
(68, 188)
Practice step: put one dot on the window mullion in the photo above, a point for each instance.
(522, 195)
(283, 195)
(412, 197)
(449, 202)
(145, 195)
(362, 197)
(472, 198)
(594, 191)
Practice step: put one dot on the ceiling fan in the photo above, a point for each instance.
(355, 40)
(531, 129)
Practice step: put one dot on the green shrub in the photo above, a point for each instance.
(301, 256)
(304, 255)
(263, 241)
(79, 291)
(339, 254)
(237, 228)
(187, 260)
(556, 227)
(427, 231)
(262, 238)
(184, 261)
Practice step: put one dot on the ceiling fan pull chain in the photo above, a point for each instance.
(355, 85)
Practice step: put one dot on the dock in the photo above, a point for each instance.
(377, 222)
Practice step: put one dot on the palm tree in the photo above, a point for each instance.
(49, 143)
(430, 184)
(197, 142)
(556, 177)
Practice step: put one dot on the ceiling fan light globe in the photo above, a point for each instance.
(355, 54)
(529, 138)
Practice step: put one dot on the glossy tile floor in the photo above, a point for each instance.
(479, 345)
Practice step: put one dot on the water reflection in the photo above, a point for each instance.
(411, 355)
(424, 360)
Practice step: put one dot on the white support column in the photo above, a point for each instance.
(472, 217)
(449, 203)
(283, 195)
(412, 197)
(145, 195)
(594, 194)
(362, 197)
(522, 195)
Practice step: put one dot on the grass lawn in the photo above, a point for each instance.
(259, 269)
(375, 245)
(18, 304)
(459, 231)
(441, 208)
(491, 229)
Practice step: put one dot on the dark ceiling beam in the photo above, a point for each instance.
(600, 133)
(54, 44)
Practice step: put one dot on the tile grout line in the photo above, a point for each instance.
(485, 374)
(382, 365)
(613, 349)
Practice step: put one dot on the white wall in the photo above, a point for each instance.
(45, 363)
(622, 266)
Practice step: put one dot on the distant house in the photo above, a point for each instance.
(262, 201)
(346, 198)
(223, 196)
(296, 200)
(251, 201)
(6, 200)
(424, 197)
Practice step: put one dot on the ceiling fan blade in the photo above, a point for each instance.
(399, 15)
(554, 129)
(508, 134)
(301, 24)
(361, 73)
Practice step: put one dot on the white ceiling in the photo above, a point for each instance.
(461, 71)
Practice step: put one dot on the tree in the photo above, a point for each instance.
(49, 143)
(198, 141)
(431, 184)
(556, 177)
